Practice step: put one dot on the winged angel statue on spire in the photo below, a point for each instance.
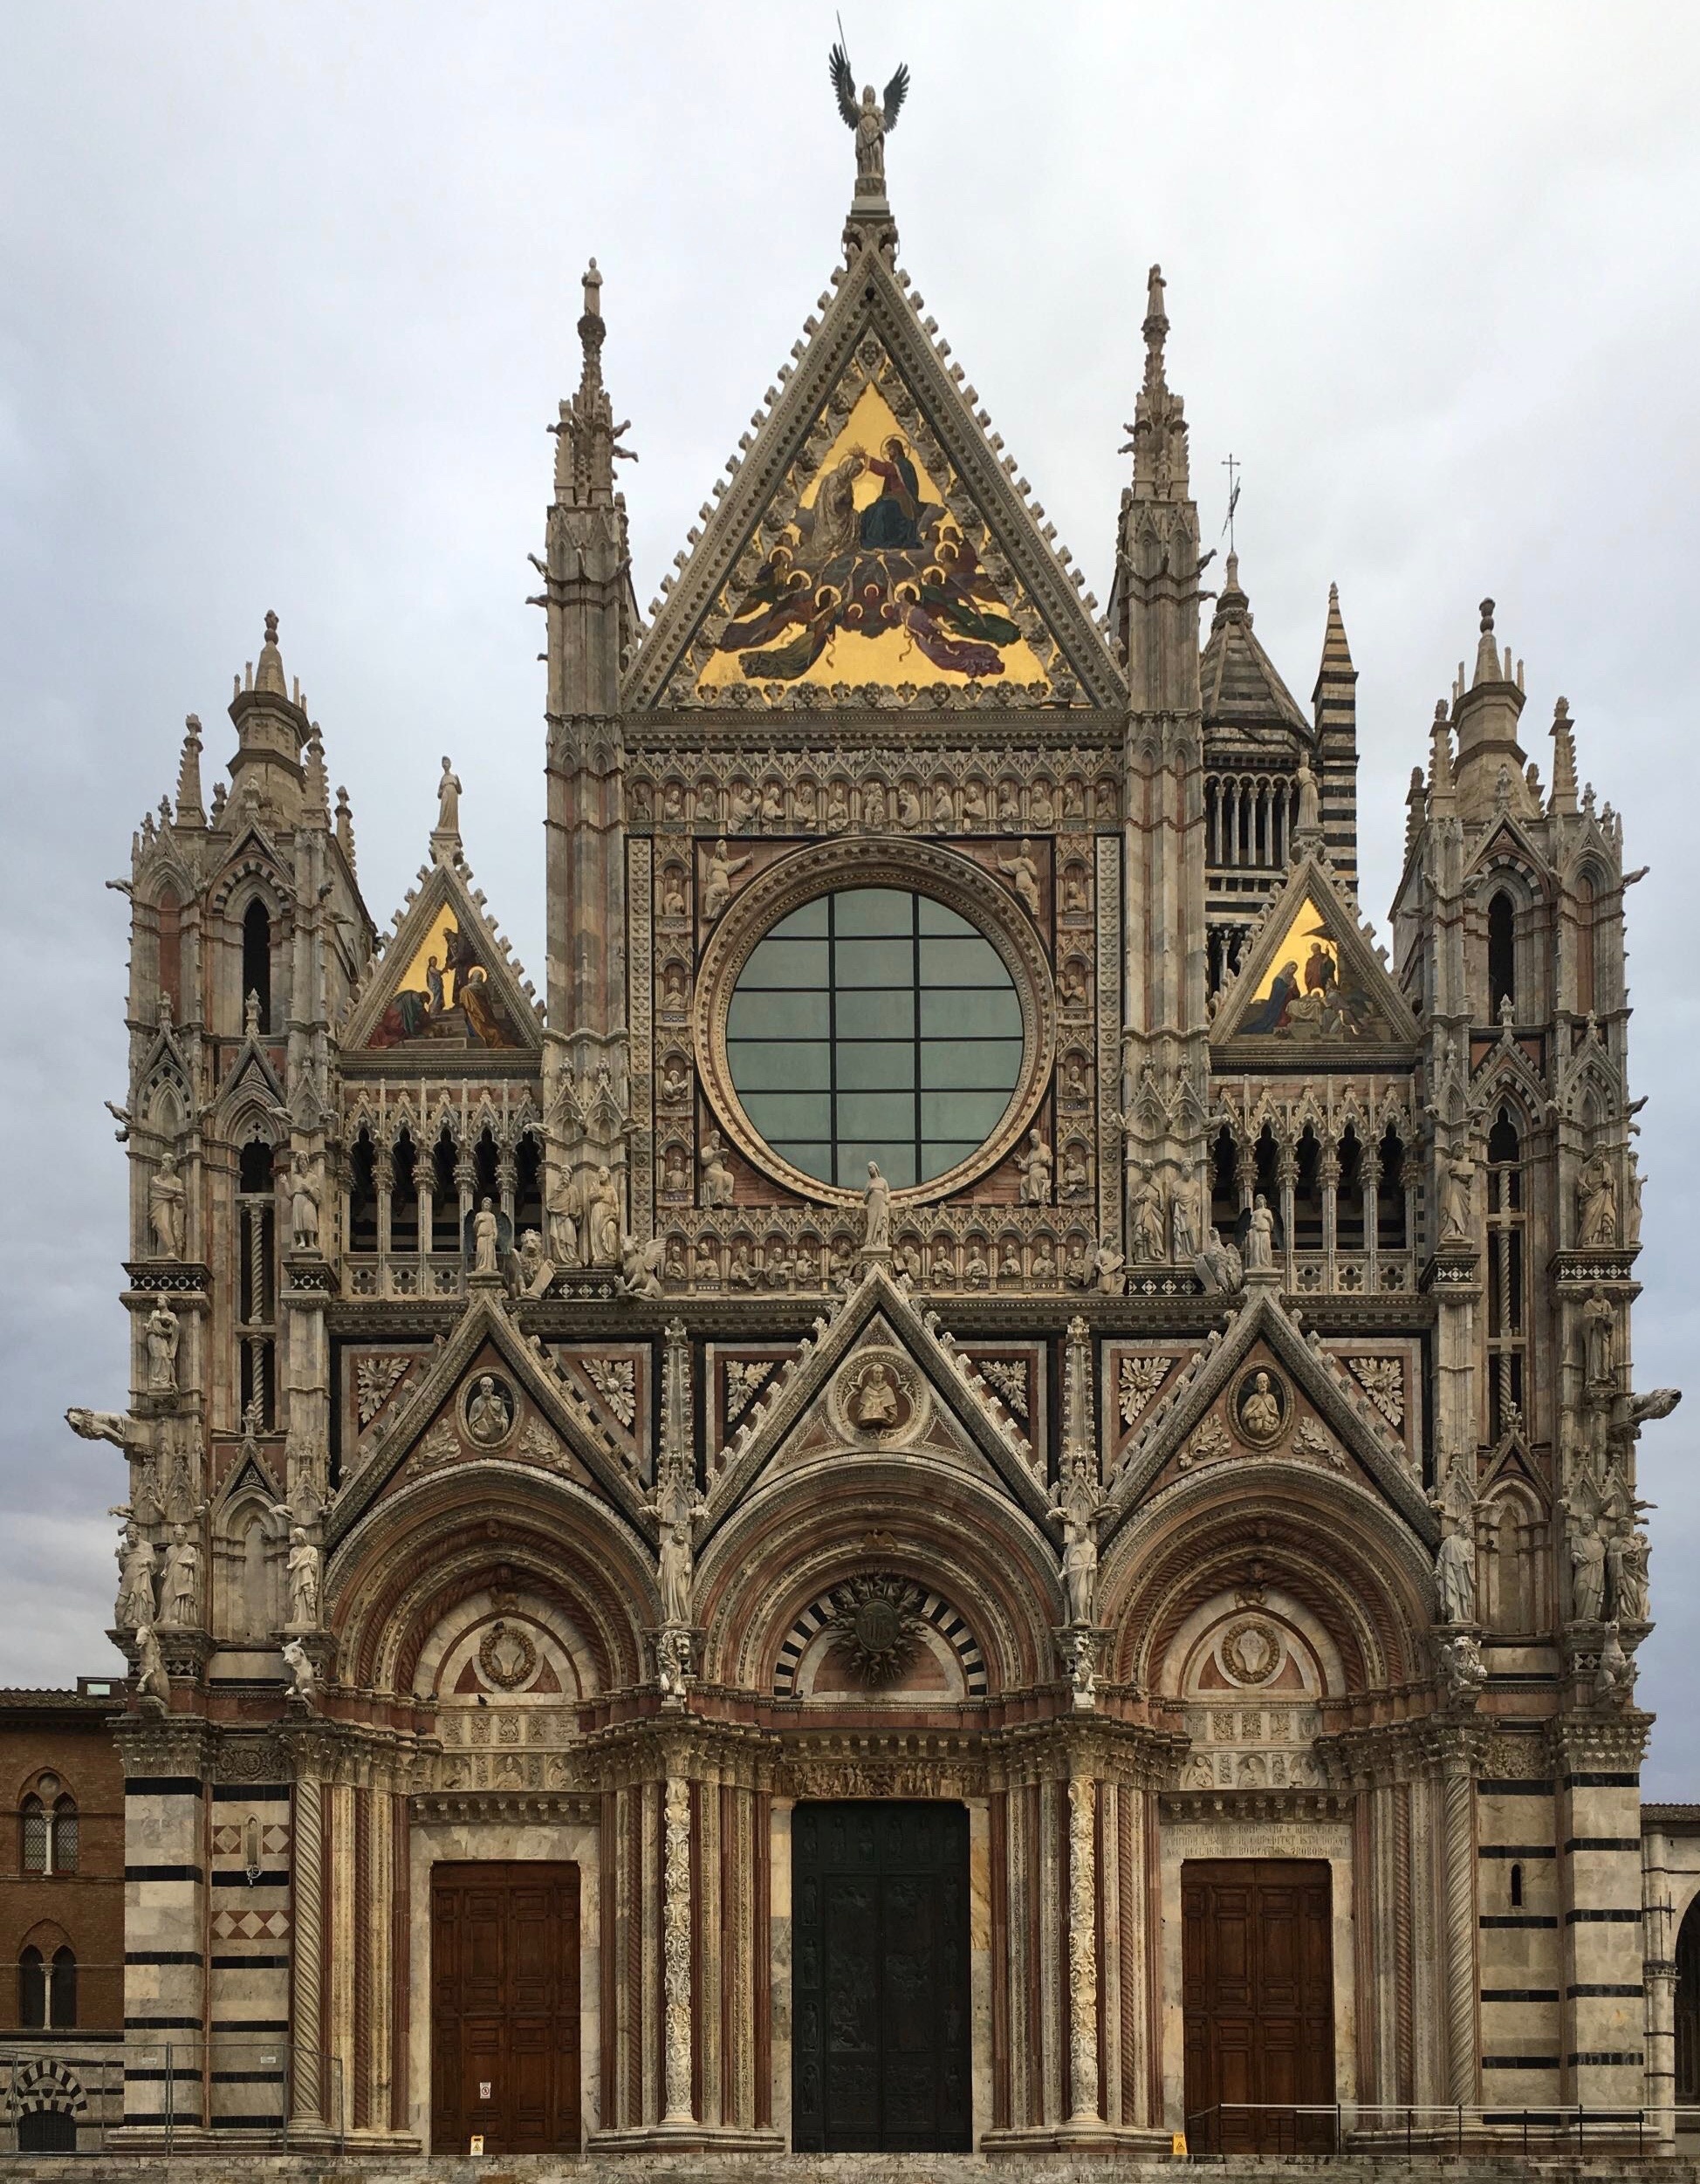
(870, 123)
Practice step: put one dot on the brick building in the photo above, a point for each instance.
(61, 1915)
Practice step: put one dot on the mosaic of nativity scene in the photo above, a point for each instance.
(983, 1344)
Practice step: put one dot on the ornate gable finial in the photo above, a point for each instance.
(268, 670)
(190, 809)
(869, 123)
(1564, 760)
(1158, 441)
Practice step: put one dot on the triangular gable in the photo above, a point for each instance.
(1507, 841)
(882, 1315)
(836, 558)
(446, 988)
(1261, 1324)
(484, 1323)
(1310, 978)
(251, 1080)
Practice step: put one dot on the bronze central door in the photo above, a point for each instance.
(504, 2008)
(879, 1979)
(1257, 2002)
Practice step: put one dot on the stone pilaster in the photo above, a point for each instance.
(166, 1921)
(1598, 1766)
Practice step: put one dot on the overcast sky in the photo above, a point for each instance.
(287, 298)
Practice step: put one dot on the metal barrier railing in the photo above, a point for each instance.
(265, 2090)
(1336, 2127)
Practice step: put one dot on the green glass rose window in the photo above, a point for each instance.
(875, 1024)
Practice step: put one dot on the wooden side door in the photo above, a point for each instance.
(504, 2008)
(1257, 2002)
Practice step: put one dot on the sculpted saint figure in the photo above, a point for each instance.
(163, 1336)
(716, 1184)
(1600, 1339)
(1077, 1506)
(1148, 1221)
(488, 1414)
(876, 1398)
(1455, 1577)
(1260, 1237)
(135, 1580)
(1455, 1199)
(1108, 1272)
(603, 1219)
(1035, 1163)
(718, 887)
(167, 1203)
(1183, 1218)
(486, 1230)
(303, 1579)
(303, 1205)
(1587, 1571)
(182, 1566)
(1260, 1414)
(1023, 875)
(1309, 807)
(448, 800)
(676, 1504)
(877, 1211)
(1596, 1195)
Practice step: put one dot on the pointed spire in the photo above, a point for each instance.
(1487, 652)
(1336, 652)
(269, 673)
(1232, 604)
(586, 435)
(1563, 800)
(1415, 801)
(345, 826)
(190, 809)
(1443, 799)
(316, 798)
(1159, 443)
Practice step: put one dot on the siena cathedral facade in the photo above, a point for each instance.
(976, 1488)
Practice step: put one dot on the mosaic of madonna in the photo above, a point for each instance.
(873, 580)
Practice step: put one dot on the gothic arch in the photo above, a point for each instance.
(1246, 1524)
(248, 1542)
(413, 1555)
(946, 1531)
(1513, 1558)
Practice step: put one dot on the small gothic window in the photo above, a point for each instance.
(445, 1197)
(528, 1188)
(254, 1168)
(363, 1195)
(1390, 1201)
(1502, 952)
(256, 959)
(35, 1836)
(62, 1991)
(33, 1991)
(1224, 1186)
(1688, 2005)
(403, 1195)
(171, 950)
(1517, 1887)
(65, 1836)
(1307, 1194)
(1348, 1196)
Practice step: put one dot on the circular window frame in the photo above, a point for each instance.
(864, 861)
